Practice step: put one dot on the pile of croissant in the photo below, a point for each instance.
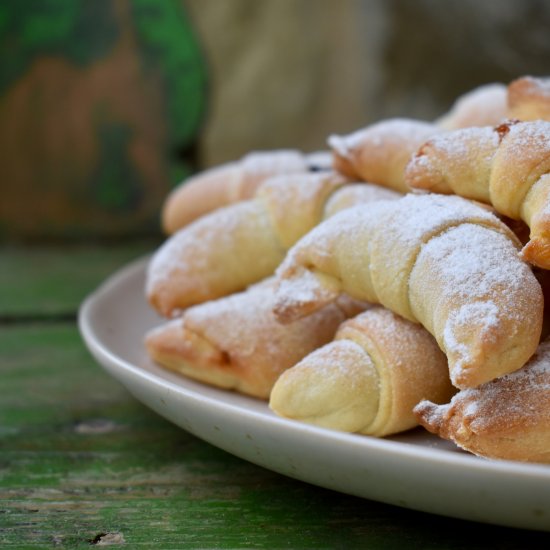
(395, 280)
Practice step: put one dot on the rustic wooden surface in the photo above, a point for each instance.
(83, 464)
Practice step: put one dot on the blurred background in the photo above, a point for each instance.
(105, 105)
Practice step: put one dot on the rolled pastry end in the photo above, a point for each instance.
(301, 292)
(334, 387)
(431, 416)
(529, 98)
(535, 212)
(507, 418)
(186, 352)
(199, 195)
(342, 157)
(537, 252)
(221, 253)
(479, 336)
(368, 379)
(171, 345)
(422, 173)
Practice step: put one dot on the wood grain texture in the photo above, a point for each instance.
(83, 464)
(50, 281)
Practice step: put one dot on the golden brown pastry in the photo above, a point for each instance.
(485, 105)
(380, 152)
(368, 379)
(507, 167)
(238, 245)
(442, 261)
(226, 184)
(529, 99)
(236, 343)
(508, 418)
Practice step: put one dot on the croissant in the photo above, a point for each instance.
(483, 106)
(508, 418)
(442, 261)
(235, 246)
(529, 99)
(368, 379)
(236, 343)
(226, 184)
(507, 166)
(380, 152)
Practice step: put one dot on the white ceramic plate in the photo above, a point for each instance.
(414, 470)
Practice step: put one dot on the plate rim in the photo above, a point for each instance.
(363, 442)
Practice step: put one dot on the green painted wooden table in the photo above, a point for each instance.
(83, 464)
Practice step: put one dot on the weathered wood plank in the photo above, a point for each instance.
(82, 463)
(53, 280)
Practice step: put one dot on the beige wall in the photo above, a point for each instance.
(286, 73)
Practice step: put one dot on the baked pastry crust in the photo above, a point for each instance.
(226, 184)
(507, 166)
(507, 418)
(529, 98)
(368, 379)
(236, 342)
(233, 247)
(442, 261)
(380, 152)
(485, 105)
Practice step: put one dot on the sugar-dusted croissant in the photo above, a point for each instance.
(507, 166)
(443, 261)
(380, 152)
(529, 98)
(236, 343)
(483, 106)
(368, 379)
(508, 418)
(226, 184)
(240, 244)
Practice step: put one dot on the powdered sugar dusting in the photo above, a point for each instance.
(480, 269)
(299, 284)
(541, 85)
(379, 134)
(406, 223)
(188, 253)
(322, 240)
(482, 106)
(456, 147)
(210, 257)
(419, 216)
(244, 326)
(342, 144)
(529, 136)
(299, 292)
(263, 163)
(298, 192)
(484, 315)
(343, 361)
(521, 398)
(355, 194)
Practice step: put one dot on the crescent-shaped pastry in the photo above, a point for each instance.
(507, 166)
(368, 379)
(507, 418)
(241, 244)
(441, 261)
(236, 343)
